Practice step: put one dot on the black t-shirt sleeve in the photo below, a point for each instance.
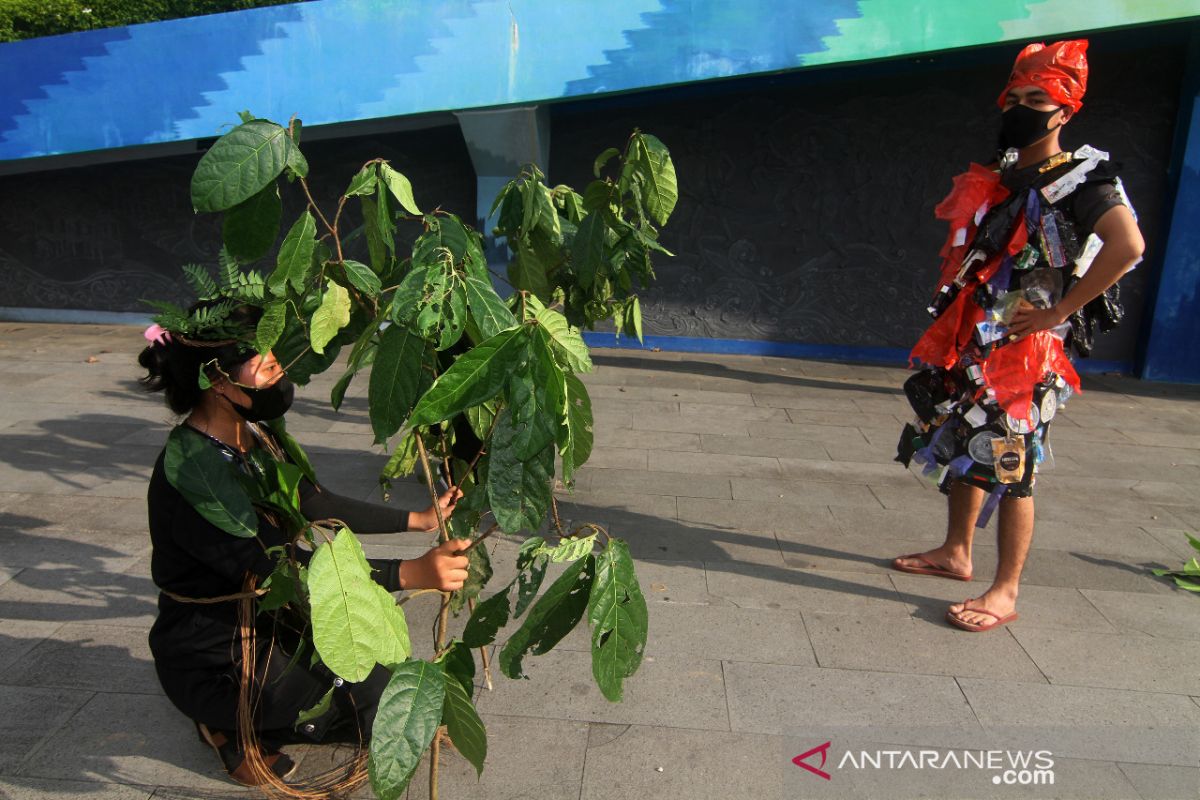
(1091, 201)
(317, 502)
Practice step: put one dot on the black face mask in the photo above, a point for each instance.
(1021, 126)
(269, 402)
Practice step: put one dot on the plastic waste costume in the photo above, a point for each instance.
(983, 400)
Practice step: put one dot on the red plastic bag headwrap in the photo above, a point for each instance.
(1059, 69)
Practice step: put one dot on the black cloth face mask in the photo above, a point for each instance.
(1021, 126)
(269, 402)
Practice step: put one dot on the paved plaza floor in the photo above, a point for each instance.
(761, 502)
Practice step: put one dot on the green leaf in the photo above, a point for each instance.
(296, 162)
(526, 271)
(603, 159)
(546, 214)
(453, 316)
(464, 725)
(400, 188)
(480, 418)
(618, 617)
(332, 315)
(587, 249)
(566, 341)
(395, 645)
(363, 278)
(490, 616)
(362, 355)
(519, 488)
(552, 617)
(489, 312)
(533, 419)
(403, 460)
(409, 713)
(660, 190)
(240, 165)
(208, 482)
(376, 245)
(270, 326)
(201, 282)
(578, 446)
(202, 378)
(250, 228)
(633, 318)
(459, 664)
(345, 609)
(1193, 541)
(295, 260)
(319, 710)
(479, 572)
(363, 183)
(571, 548)
(476, 377)
(532, 563)
(293, 449)
(397, 378)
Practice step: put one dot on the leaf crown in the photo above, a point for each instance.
(211, 321)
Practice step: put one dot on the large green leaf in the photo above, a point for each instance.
(362, 278)
(295, 260)
(363, 183)
(208, 482)
(394, 642)
(488, 618)
(533, 419)
(618, 618)
(587, 249)
(293, 449)
(362, 355)
(489, 312)
(270, 325)
(476, 377)
(400, 188)
(531, 563)
(479, 572)
(345, 609)
(464, 725)
(519, 488)
(578, 446)
(552, 617)
(332, 315)
(408, 716)
(527, 271)
(239, 165)
(459, 664)
(397, 378)
(660, 190)
(568, 344)
(250, 228)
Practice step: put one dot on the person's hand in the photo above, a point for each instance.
(1027, 320)
(427, 520)
(440, 568)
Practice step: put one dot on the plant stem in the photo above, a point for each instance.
(554, 513)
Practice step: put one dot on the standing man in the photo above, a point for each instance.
(1037, 243)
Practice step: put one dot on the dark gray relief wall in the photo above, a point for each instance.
(806, 210)
(102, 237)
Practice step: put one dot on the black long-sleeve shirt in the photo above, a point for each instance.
(193, 558)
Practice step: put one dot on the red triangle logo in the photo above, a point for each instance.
(823, 749)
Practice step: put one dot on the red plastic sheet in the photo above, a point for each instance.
(1015, 369)
(1060, 69)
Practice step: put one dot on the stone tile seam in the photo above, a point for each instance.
(50, 734)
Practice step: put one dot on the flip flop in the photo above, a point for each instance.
(932, 569)
(974, 627)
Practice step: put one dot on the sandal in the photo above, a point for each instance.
(234, 761)
(930, 569)
(977, 627)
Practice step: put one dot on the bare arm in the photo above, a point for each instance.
(1123, 247)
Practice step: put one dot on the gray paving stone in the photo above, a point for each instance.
(1165, 616)
(718, 413)
(79, 596)
(846, 472)
(675, 692)
(1139, 663)
(757, 586)
(16, 788)
(825, 434)
(1162, 783)
(128, 738)
(1175, 540)
(747, 446)
(667, 539)
(1060, 607)
(1130, 726)
(693, 423)
(872, 553)
(73, 549)
(28, 716)
(650, 440)
(93, 657)
(516, 765)
(745, 515)
(679, 484)
(36, 513)
(624, 762)
(18, 637)
(723, 465)
(619, 458)
(619, 393)
(801, 493)
(728, 633)
(781, 699)
(914, 646)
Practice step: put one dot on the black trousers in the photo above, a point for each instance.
(283, 689)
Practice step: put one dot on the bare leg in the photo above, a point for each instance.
(1015, 536)
(955, 553)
